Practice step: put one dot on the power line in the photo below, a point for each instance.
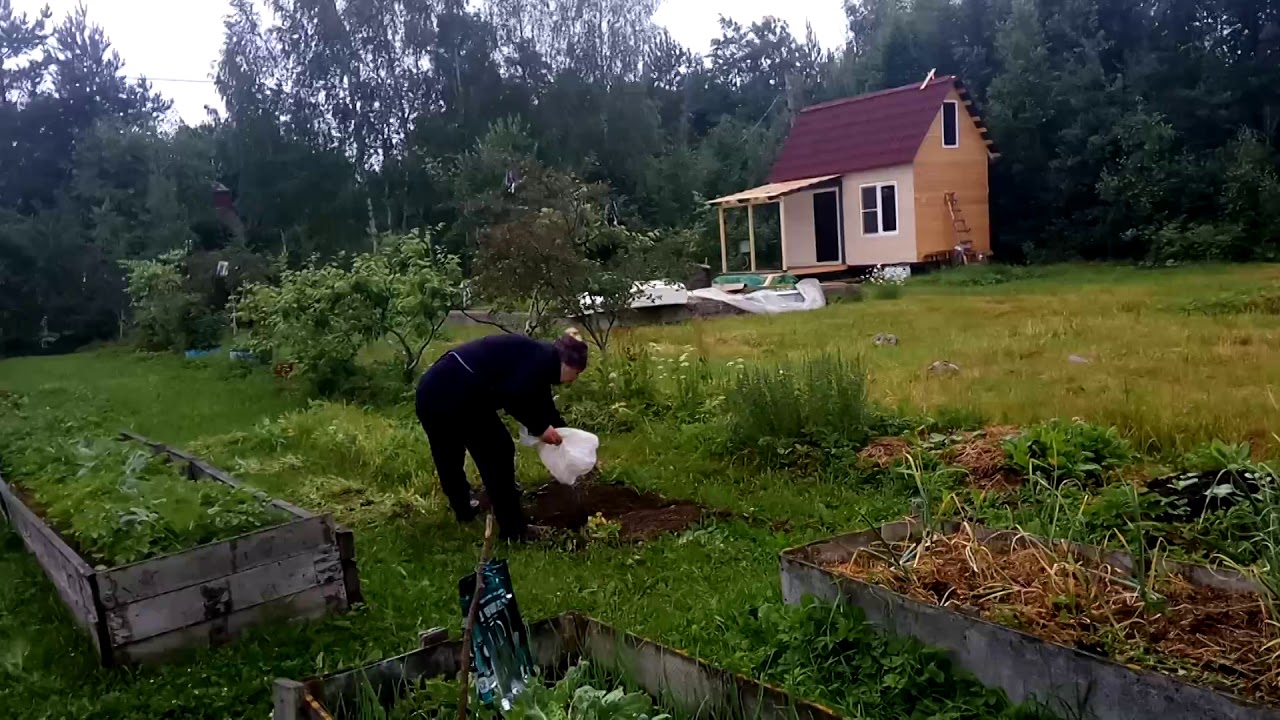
(162, 79)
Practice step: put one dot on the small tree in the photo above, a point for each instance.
(412, 291)
(624, 263)
(530, 266)
(322, 316)
(167, 314)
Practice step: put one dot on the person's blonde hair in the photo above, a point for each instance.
(573, 351)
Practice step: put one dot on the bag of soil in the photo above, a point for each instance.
(500, 656)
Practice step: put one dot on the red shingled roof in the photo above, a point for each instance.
(863, 133)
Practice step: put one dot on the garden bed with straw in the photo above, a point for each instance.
(1074, 626)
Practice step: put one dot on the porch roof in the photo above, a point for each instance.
(769, 193)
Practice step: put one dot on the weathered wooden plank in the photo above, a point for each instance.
(157, 576)
(64, 567)
(223, 596)
(268, 582)
(149, 578)
(310, 604)
(281, 542)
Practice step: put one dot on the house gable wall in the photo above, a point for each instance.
(963, 170)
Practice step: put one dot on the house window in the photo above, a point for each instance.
(950, 124)
(880, 209)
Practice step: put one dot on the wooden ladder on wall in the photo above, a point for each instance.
(964, 241)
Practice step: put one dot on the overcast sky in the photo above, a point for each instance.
(171, 41)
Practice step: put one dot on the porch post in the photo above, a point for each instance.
(724, 244)
(751, 223)
(782, 232)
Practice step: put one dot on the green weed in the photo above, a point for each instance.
(1061, 450)
(831, 654)
(798, 415)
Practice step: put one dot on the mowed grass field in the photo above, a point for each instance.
(1163, 370)
(1168, 378)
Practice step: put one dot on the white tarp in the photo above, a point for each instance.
(653, 293)
(808, 295)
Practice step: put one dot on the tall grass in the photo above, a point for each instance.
(819, 403)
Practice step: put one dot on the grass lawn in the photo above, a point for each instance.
(1175, 361)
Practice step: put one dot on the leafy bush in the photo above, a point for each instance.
(832, 655)
(1197, 242)
(322, 316)
(987, 275)
(1060, 450)
(120, 504)
(634, 386)
(1219, 456)
(795, 415)
(166, 314)
(1251, 301)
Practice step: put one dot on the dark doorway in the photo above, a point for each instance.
(826, 226)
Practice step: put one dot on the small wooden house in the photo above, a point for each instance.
(897, 176)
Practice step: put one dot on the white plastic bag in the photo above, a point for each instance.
(569, 461)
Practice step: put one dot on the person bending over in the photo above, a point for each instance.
(458, 400)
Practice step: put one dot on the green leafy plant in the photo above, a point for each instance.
(322, 316)
(831, 654)
(1219, 456)
(167, 315)
(1061, 450)
(574, 697)
(120, 504)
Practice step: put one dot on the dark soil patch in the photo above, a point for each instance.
(643, 516)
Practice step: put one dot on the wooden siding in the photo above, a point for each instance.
(862, 250)
(964, 171)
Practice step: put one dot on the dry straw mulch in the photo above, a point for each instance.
(981, 454)
(1204, 635)
(885, 452)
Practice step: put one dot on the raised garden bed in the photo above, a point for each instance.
(675, 680)
(1079, 610)
(302, 567)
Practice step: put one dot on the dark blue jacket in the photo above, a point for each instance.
(500, 372)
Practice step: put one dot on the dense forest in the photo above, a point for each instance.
(1130, 129)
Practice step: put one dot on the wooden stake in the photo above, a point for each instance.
(751, 222)
(468, 627)
(724, 244)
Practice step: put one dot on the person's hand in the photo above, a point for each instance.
(552, 437)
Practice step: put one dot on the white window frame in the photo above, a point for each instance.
(955, 104)
(897, 209)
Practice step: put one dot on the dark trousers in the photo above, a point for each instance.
(457, 421)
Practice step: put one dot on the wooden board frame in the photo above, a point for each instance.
(1066, 680)
(680, 681)
(146, 611)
